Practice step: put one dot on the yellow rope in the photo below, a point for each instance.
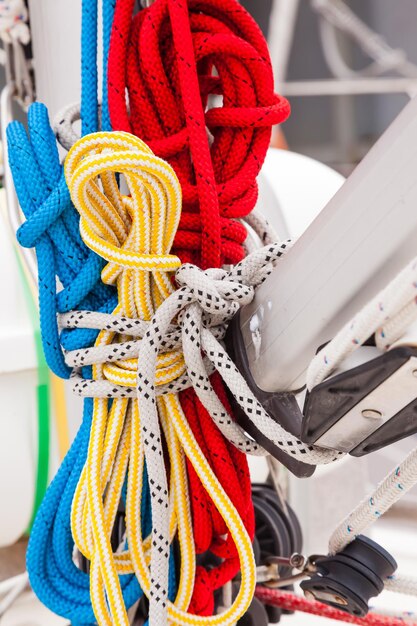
(61, 414)
(134, 233)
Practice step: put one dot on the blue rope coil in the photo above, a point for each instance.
(52, 228)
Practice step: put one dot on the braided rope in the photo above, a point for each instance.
(122, 425)
(386, 316)
(89, 70)
(291, 602)
(166, 66)
(160, 77)
(135, 234)
(388, 492)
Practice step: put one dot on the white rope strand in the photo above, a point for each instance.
(202, 306)
(387, 314)
(389, 491)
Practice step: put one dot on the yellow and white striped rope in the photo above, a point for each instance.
(134, 232)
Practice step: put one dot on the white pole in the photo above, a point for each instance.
(280, 37)
(56, 35)
(349, 86)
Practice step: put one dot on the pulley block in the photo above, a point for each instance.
(349, 579)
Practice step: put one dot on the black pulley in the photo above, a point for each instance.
(256, 615)
(287, 514)
(290, 519)
(256, 551)
(273, 539)
(271, 531)
(277, 532)
(349, 579)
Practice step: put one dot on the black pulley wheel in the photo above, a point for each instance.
(256, 615)
(274, 540)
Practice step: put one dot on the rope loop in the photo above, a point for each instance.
(134, 233)
(169, 67)
(52, 227)
(145, 175)
(213, 292)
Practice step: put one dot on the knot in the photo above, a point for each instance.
(117, 226)
(205, 302)
(214, 290)
(45, 215)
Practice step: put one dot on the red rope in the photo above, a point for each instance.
(291, 602)
(173, 60)
(165, 58)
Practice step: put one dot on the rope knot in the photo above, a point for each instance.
(214, 292)
(122, 232)
(44, 215)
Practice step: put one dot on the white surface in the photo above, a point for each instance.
(17, 350)
(302, 187)
(55, 26)
(18, 410)
(28, 611)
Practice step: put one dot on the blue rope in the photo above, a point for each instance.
(54, 577)
(52, 228)
(89, 73)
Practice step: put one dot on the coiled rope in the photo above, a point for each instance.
(135, 233)
(218, 182)
(52, 226)
(164, 59)
(167, 65)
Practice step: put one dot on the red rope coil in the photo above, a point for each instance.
(170, 59)
(194, 80)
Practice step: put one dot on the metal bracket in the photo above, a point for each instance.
(269, 574)
(367, 407)
(19, 73)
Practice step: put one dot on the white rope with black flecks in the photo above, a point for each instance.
(203, 305)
